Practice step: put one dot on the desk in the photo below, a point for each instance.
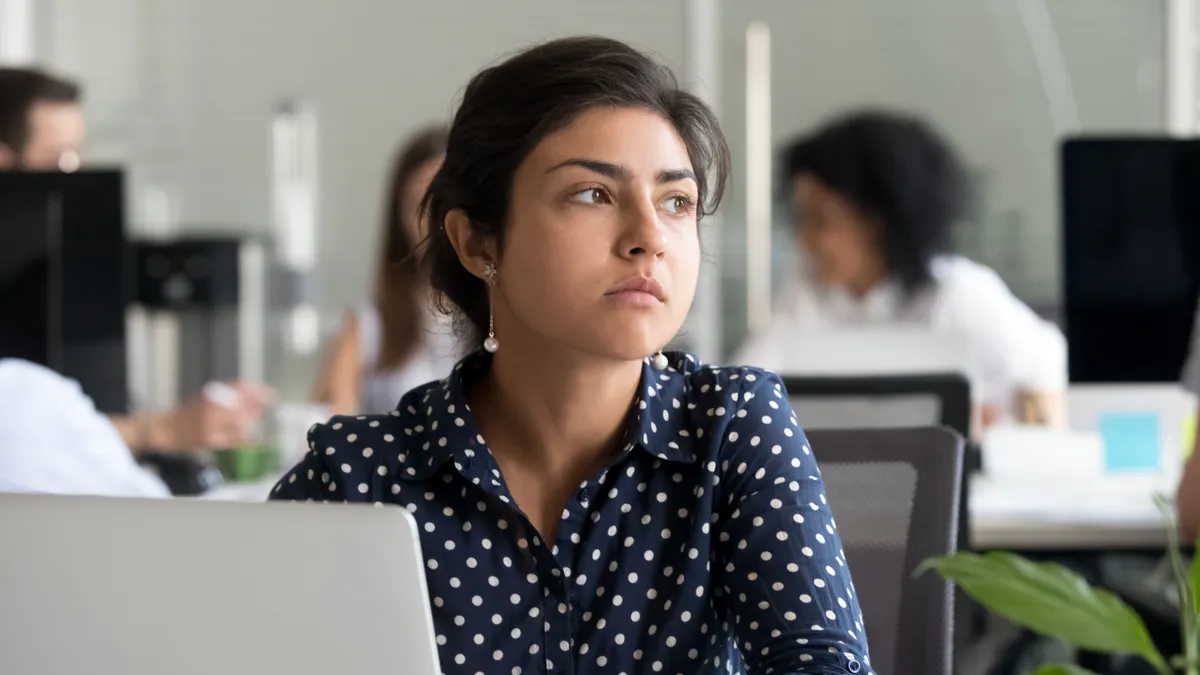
(241, 492)
(1036, 513)
(1031, 514)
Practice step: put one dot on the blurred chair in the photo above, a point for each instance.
(874, 401)
(894, 493)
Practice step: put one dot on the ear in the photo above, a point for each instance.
(8, 158)
(475, 250)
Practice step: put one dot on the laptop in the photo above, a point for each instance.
(189, 587)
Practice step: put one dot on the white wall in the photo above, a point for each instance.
(183, 90)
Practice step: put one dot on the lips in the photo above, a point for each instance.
(644, 285)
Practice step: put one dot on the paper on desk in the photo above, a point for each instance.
(1132, 440)
(1106, 501)
(1029, 451)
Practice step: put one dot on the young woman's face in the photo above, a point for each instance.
(841, 244)
(602, 251)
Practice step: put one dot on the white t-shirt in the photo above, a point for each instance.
(53, 440)
(433, 359)
(1015, 347)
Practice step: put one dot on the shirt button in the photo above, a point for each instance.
(854, 666)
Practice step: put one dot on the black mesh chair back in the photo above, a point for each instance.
(895, 497)
(915, 400)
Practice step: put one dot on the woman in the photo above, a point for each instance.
(587, 503)
(876, 196)
(394, 343)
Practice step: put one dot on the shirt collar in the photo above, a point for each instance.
(657, 424)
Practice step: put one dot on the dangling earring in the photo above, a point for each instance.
(491, 344)
(660, 361)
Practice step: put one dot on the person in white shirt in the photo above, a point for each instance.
(53, 440)
(399, 340)
(42, 129)
(1187, 497)
(876, 196)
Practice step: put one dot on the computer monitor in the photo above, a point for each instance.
(1131, 256)
(64, 278)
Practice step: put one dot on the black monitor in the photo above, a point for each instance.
(64, 278)
(1131, 256)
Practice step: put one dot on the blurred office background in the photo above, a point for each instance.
(182, 94)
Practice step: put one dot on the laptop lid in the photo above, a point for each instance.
(144, 587)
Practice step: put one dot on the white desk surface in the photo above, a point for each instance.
(1025, 514)
(1032, 513)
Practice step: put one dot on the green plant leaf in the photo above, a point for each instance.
(1062, 669)
(1051, 600)
(1194, 576)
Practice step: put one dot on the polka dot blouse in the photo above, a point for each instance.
(705, 546)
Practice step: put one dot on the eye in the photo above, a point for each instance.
(678, 204)
(592, 195)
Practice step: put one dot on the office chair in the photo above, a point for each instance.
(859, 401)
(894, 494)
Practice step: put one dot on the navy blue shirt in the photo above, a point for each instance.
(705, 546)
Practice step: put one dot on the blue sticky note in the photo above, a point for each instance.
(1132, 441)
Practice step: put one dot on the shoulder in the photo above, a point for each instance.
(718, 384)
(354, 444)
(26, 381)
(716, 396)
(955, 274)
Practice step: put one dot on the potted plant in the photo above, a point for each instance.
(1054, 601)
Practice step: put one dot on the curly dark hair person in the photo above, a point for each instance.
(896, 169)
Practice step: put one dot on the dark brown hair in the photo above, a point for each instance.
(398, 289)
(20, 89)
(509, 108)
(897, 168)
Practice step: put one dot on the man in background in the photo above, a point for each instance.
(41, 121)
(42, 128)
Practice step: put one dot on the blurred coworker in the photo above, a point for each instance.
(42, 129)
(396, 342)
(876, 196)
(1187, 499)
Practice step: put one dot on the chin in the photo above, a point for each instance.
(627, 345)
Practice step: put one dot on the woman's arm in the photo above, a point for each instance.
(199, 424)
(779, 560)
(339, 381)
(1023, 358)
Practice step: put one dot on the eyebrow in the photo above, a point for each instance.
(618, 172)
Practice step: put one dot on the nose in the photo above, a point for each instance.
(642, 234)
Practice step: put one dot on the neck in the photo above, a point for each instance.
(556, 411)
(871, 277)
